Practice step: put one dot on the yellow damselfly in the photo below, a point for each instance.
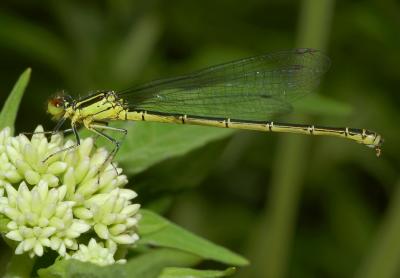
(243, 94)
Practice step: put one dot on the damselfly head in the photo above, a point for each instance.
(56, 106)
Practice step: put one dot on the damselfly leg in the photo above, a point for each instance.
(98, 129)
(77, 144)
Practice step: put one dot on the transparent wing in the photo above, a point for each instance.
(254, 88)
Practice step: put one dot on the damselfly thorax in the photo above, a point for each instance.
(103, 106)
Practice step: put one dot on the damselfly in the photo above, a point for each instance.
(243, 94)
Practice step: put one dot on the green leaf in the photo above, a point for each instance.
(19, 266)
(157, 231)
(10, 109)
(74, 268)
(34, 41)
(135, 49)
(149, 143)
(197, 164)
(151, 264)
(148, 265)
(179, 272)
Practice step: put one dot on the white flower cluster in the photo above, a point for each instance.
(51, 199)
(95, 253)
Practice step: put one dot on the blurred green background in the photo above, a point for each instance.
(296, 206)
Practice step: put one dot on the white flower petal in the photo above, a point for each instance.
(125, 239)
(15, 235)
(62, 209)
(28, 244)
(22, 166)
(20, 249)
(30, 154)
(83, 213)
(88, 187)
(132, 221)
(12, 225)
(51, 180)
(57, 223)
(11, 213)
(69, 181)
(43, 221)
(101, 230)
(43, 189)
(86, 147)
(47, 232)
(110, 218)
(38, 133)
(23, 192)
(13, 176)
(130, 209)
(13, 154)
(11, 192)
(117, 229)
(45, 242)
(62, 250)
(69, 242)
(80, 226)
(26, 232)
(38, 249)
(32, 177)
(57, 168)
(62, 190)
(55, 242)
(128, 193)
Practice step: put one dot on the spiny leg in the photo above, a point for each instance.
(102, 124)
(54, 131)
(117, 144)
(77, 144)
(48, 132)
(59, 124)
(99, 126)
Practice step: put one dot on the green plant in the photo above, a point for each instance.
(64, 210)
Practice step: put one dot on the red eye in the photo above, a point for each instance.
(57, 101)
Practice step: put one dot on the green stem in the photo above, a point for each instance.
(384, 257)
(270, 249)
(20, 266)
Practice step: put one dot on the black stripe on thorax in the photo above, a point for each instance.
(89, 100)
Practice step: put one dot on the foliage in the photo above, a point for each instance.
(153, 229)
(226, 186)
(10, 109)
